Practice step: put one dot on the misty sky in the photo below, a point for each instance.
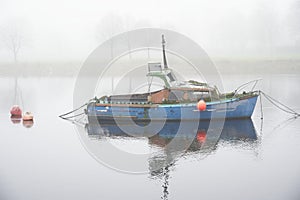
(69, 30)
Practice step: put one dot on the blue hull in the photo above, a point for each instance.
(225, 109)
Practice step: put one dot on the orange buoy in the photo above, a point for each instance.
(16, 111)
(28, 124)
(201, 105)
(201, 136)
(28, 116)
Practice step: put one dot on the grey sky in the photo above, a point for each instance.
(67, 29)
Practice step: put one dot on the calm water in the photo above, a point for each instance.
(51, 160)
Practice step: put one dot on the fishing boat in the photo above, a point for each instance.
(176, 101)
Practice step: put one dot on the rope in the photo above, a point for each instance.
(261, 106)
(16, 91)
(277, 103)
(149, 84)
(77, 122)
(62, 116)
(70, 117)
(246, 84)
(21, 97)
(281, 125)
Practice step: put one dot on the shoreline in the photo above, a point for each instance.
(225, 66)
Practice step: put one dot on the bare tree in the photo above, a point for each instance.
(12, 38)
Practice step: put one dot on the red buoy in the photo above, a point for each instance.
(16, 111)
(201, 105)
(15, 119)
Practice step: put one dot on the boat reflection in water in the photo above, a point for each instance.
(230, 130)
(176, 142)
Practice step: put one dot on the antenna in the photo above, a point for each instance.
(163, 42)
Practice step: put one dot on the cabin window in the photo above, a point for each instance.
(170, 76)
(173, 97)
(154, 67)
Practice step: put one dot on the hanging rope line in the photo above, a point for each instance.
(261, 106)
(21, 97)
(254, 82)
(77, 122)
(63, 116)
(280, 125)
(279, 105)
(70, 117)
(150, 83)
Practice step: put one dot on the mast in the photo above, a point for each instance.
(164, 52)
(166, 73)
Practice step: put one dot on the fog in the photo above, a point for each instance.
(69, 30)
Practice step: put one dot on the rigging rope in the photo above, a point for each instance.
(149, 84)
(95, 99)
(63, 115)
(281, 107)
(70, 117)
(77, 122)
(21, 97)
(261, 106)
